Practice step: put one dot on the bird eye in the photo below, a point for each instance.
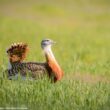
(47, 40)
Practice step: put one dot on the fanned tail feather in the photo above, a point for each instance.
(19, 50)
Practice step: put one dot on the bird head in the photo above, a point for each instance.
(47, 43)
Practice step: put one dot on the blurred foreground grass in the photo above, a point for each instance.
(66, 95)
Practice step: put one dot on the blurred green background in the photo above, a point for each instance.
(81, 29)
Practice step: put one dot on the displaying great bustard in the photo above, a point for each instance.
(17, 53)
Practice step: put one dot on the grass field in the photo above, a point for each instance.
(81, 29)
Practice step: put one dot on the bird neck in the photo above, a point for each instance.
(53, 64)
(49, 54)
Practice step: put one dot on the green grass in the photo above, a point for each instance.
(67, 94)
(81, 29)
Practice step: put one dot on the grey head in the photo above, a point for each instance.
(46, 43)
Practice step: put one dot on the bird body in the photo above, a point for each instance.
(34, 69)
(50, 68)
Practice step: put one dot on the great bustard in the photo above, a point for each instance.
(17, 53)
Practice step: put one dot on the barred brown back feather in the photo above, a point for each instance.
(19, 50)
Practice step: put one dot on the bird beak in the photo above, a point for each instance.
(53, 42)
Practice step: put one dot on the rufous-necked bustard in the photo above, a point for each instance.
(17, 53)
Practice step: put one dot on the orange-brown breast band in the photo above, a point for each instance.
(56, 69)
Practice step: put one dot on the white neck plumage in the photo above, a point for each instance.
(53, 63)
(48, 52)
